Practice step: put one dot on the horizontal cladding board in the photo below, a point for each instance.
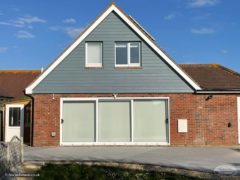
(72, 76)
(97, 75)
(136, 80)
(92, 89)
(122, 86)
(118, 85)
(74, 91)
(110, 38)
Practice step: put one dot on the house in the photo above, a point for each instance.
(115, 86)
(15, 106)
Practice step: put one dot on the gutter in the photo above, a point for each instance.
(219, 91)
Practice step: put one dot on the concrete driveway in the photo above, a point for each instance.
(193, 158)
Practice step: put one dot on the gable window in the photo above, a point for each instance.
(93, 54)
(127, 54)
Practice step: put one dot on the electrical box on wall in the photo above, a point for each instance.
(53, 134)
(182, 125)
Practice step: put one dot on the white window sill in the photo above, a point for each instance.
(93, 65)
(128, 66)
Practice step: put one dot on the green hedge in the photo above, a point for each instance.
(77, 171)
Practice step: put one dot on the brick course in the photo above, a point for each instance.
(208, 120)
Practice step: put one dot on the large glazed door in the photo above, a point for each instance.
(78, 123)
(150, 121)
(122, 121)
(114, 121)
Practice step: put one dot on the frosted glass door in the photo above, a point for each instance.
(149, 123)
(114, 121)
(78, 121)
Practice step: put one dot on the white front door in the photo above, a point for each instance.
(238, 112)
(14, 121)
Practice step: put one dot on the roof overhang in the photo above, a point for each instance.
(113, 8)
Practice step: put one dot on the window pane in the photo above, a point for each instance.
(94, 53)
(79, 122)
(134, 54)
(14, 116)
(121, 53)
(150, 121)
(114, 121)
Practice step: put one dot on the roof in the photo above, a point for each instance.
(13, 82)
(134, 26)
(213, 76)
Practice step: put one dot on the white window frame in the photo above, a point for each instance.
(131, 100)
(86, 58)
(129, 64)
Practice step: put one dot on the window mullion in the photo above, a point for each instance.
(128, 53)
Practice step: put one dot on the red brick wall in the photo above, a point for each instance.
(207, 119)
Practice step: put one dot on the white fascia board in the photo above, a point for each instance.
(29, 89)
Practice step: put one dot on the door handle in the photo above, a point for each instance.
(62, 121)
(166, 120)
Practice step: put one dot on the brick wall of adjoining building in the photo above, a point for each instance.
(210, 122)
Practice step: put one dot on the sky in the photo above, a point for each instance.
(34, 33)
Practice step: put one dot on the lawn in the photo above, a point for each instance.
(78, 171)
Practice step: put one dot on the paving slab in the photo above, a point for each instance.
(206, 159)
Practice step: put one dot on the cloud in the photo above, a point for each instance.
(6, 23)
(224, 51)
(31, 19)
(70, 31)
(73, 32)
(170, 16)
(202, 16)
(202, 30)
(16, 9)
(55, 28)
(25, 21)
(3, 49)
(69, 21)
(202, 3)
(189, 62)
(24, 35)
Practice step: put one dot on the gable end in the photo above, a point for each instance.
(132, 25)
